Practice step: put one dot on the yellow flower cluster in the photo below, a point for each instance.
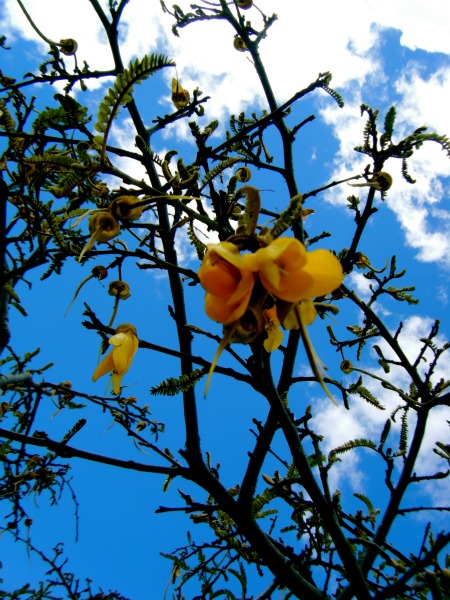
(283, 270)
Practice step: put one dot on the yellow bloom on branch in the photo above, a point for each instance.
(227, 281)
(180, 96)
(118, 361)
(291, 273)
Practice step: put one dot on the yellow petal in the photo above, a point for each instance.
(326, 272)
(116, 379)
(126, 345)
(274, 337)
(104, 367)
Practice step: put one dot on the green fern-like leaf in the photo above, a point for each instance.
(199, 246)
(260, 501)
(351, 445)
(224, 164)
(368, 396)
(403, 446)
(121, 92)
(335, 95)
(402, 294)
(73, 431)
(383, 362)
(384, 433)
(366, 501)
(173, 386)
(389, 121)
(71, 179)
(52, 220)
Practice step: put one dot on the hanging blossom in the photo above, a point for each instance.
(284, 268)
(118, 361)
(228, 282)
(274, 286)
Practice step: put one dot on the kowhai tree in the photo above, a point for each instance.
(269, 292)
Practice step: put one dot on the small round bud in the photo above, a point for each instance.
(346, 366)
(28, 522)
(68, 46)
(119, 289)
(239, 44)
(141, 425)
(244, 4)
(361, 261)
(100, 272)
(66, 384)
(33, 461)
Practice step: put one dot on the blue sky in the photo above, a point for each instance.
(379, 53)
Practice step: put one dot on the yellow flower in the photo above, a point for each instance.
(180, 96)
(291, 273)
(102, 227)
(125, 342)
(227, 281)
(124, 207)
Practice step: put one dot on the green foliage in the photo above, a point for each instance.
(351, 445)
(173, 386)
(121, 92)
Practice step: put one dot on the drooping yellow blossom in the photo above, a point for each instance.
(291, 273)
(102, 227)
(380, 181)
(118, 361)
(227, 281)
(180, 96)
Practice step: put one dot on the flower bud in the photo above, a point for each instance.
(33, 461)
(244, 4)
(239, 44)
(346, 366)
(361, 260)
(100, 272)
(68, 46)
(119, 289)
(180, 96)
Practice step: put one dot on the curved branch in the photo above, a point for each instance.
(70, 452)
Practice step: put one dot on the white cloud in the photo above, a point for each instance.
(364, 421)
(347, 43)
